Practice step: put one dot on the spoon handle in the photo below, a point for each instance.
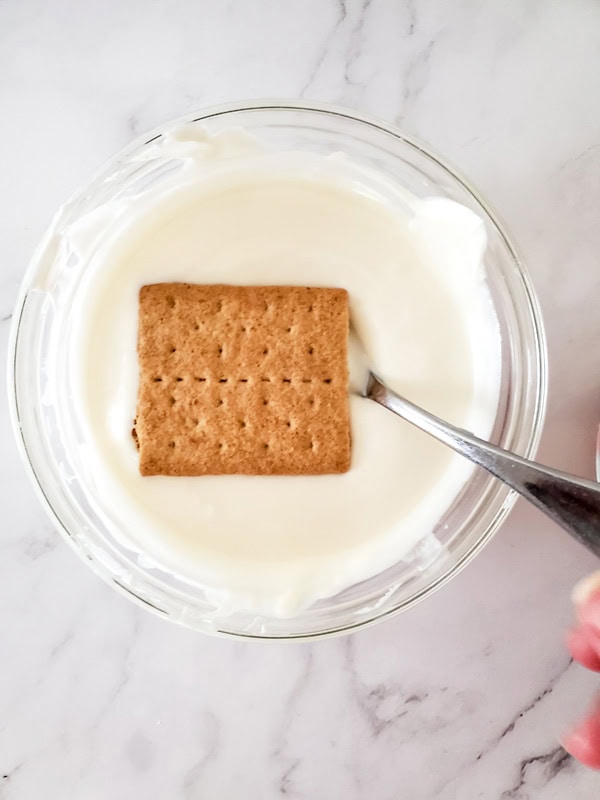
(572, 502)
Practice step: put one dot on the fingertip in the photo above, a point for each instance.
(584, 646)
(583, 743)
(587, 588)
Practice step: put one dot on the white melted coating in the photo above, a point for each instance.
(233, 213)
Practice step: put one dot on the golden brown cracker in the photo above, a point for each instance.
(242, 380)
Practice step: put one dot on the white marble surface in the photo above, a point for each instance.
(461, 698)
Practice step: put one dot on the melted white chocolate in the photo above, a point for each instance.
(234, 213)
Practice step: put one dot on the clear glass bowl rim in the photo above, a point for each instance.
(540, 357)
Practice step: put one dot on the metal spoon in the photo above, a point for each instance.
(572, 502)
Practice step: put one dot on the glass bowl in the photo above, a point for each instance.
(36, 366)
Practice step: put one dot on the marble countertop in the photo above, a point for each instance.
(462, 698)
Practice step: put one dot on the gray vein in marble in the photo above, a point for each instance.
(342, 14)
(552, 762)
(301, 684)
(492, 744)
(93, 728)
(373, 702)
(133, 124)
(355, 47)
(285, 782)
(210, 746)
(117, 690)
(415, 79)
(580, 158)
(61, 645)
(538, 698)
(290, 762)
(411, 9)
(547, 690)
(37, 548)
(8, 776)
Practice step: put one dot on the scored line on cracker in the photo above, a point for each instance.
(242, 380)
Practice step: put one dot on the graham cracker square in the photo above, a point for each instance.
(248, 380)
